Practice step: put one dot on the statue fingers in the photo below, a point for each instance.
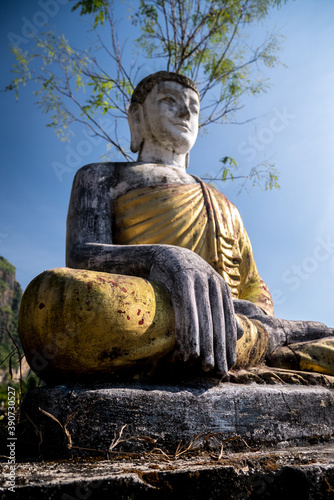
(205, 321)
(231, 326)
(219, 335)
(186, 320)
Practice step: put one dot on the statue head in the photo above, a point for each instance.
(163, 115)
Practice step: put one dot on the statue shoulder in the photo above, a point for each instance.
(119, 177)
(94, 174)
(98, 169)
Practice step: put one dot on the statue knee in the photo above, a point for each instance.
(75, 322)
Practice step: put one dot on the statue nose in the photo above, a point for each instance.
(184, 112)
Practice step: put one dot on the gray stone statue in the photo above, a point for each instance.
(154, 221)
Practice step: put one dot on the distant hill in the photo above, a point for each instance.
(10, 297)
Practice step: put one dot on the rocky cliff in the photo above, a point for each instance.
(10, 297)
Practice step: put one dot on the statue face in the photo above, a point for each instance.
(170, 117)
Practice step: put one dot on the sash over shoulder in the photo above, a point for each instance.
(197, 217)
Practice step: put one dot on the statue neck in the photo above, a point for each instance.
(154, 153)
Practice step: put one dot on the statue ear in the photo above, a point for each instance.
(135, 124)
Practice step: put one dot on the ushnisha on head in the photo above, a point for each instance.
(163, 118)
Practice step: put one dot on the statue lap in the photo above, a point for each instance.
(76, 322)
(92, 323)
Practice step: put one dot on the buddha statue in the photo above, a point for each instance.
(159, 267)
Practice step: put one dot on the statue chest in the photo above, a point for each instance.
(189, 216)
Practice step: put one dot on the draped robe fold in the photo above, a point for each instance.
(200, 218)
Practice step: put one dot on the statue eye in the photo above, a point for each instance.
(168, 99)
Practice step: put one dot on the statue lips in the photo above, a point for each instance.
(183, 125)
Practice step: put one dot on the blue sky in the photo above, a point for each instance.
(291, 229)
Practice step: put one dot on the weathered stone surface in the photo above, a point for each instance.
(297, 473)
(163, 416)
(282, 331)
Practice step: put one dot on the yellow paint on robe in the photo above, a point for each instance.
(75, 322)
(200, 218)
(312, 356)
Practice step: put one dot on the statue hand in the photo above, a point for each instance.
(205, 323)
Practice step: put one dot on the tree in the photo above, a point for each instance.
(207, 40)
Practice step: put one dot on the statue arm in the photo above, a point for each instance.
(205, 324)
(89, 240)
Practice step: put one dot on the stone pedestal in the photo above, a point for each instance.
(77, 420)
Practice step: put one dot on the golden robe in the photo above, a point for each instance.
(200, 218)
